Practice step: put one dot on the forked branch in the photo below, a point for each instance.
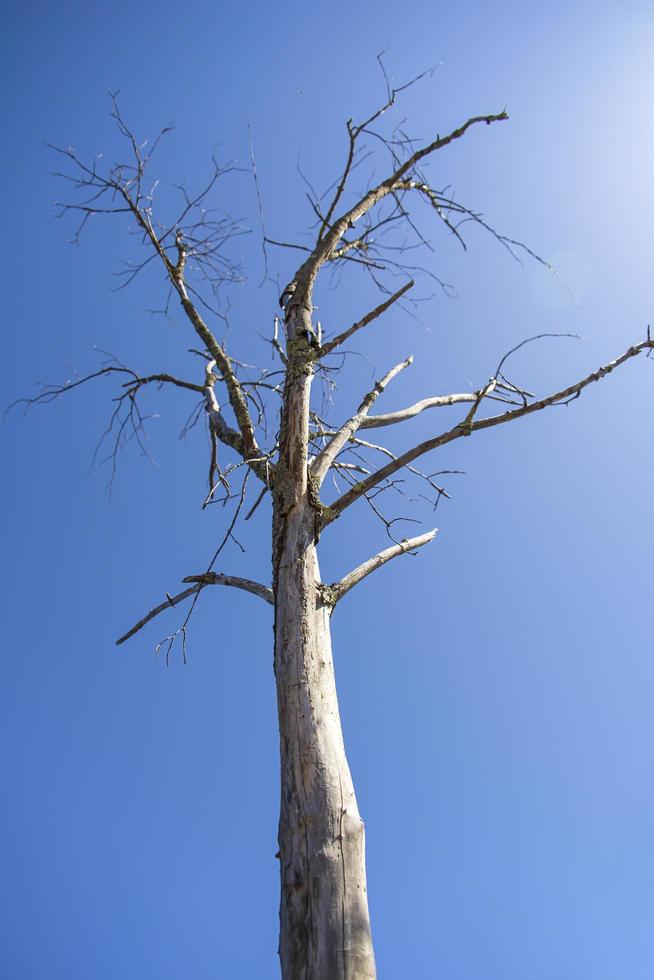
(124, 188)
(468, 426)
(299, 291)
(325, 459)
(388, 186)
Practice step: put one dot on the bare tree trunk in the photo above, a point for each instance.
(325, 927)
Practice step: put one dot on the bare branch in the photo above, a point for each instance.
(210, 578)
(436, 401)
(246, 584)
(322, 462)
(236, 397)
(530, 340)
(171, 600)
(446, 207)
(127, 422)
(562, 397)
(200, 240)
(364, 321)
(256, 503)
(228, 536)
(255, 177)
(334, 593)
(201, 581)
(297, 295)
(429, 478)
(218, 429)
(50, 392)
(355, 131)
(481, 394)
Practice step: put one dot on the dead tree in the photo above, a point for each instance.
(278, 444)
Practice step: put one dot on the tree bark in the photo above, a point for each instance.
(325, 927)
(324, 919)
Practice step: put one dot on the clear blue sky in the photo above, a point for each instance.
(497, 690)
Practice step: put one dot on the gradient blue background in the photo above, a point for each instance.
(497, 690)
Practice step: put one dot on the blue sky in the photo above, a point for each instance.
(496, 690)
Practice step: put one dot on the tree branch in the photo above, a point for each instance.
(436, 401)
(465, 428)
(297, 294)
(176, 275)
(171, 600)
(386, 187)
(236, 397)
(364, 321)
(324, 460)
(200, 240)
(334, 593)
(218, 424)
(200, 581)
(50, 392)
(354, 131)
(246, 584)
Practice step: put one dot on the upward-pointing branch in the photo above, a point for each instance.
(365, 320)
(333, 593)
(324, 460)
(219, 426)
(120, 186)
(378, 193)
(301, 287)
(176, 275)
